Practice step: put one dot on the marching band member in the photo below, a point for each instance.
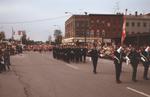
(134, 58)
(118, 58)
(145, 57)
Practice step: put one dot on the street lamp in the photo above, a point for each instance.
(103, 35)
(58, 26)
(68, 13)
(85, 33)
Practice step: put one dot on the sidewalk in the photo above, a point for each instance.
(10, 85)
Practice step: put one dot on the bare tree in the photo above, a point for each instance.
(58, 36)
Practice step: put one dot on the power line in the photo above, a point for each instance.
(33, 21)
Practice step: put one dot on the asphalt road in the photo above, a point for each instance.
(39, 75)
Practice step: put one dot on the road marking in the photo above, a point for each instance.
(74, 67)
(134, 90)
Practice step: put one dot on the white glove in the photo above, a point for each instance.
(143, 59)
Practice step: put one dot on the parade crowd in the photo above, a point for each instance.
(38, 47)
(5, 51)
(8, 49)
(130, 54)
(77, 54)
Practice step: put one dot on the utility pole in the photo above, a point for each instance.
(117, 7)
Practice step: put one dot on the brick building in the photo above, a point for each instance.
(76, 28)
(108, 28)
(93, 27)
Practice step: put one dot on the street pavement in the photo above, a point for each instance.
(36, 74)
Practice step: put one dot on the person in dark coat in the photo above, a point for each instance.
(85, 53)
(80, 54)
(67, 54)
(118, 59)
(72, 54)
(145, 57)
(7, 58)
(1, 60)
(3, 68)
(134, 57)
(94, 56)
(77, 55)
(54, 52)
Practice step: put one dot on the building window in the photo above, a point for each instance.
(92, 31)
(144, 24)
(108, 24)
(138, 24)
(103, 22)
(127, 24)
(97, 21)
(77, 24)
(133, 24)
(98, 31)
(132, 33)
(92, 21)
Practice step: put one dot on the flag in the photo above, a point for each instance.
(123, 36)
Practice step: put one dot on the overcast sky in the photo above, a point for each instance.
(14, 11)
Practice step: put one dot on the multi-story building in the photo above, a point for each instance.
(75, 28)
(138, 29)
(93, 27)
(108, 28)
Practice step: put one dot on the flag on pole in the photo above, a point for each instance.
(123, 36)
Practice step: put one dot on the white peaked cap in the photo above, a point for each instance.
(119, 49)
(147, 49)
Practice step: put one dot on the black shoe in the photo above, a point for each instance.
(94, 72)
(146, 78)
(118, 81)
(134, 80)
